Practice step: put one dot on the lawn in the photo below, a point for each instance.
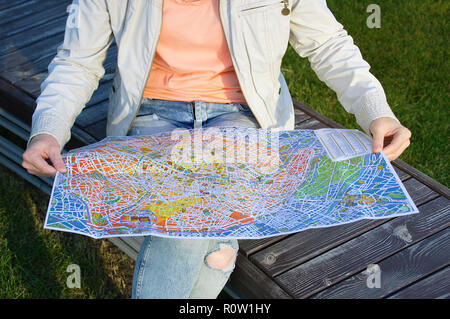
(34, 261)
(408, 54)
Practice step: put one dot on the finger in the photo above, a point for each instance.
(42, 166)
(399, 137)
(377, 141)
(57, 161)
(398, 152)
(34, 171)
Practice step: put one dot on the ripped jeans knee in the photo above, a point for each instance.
(221, 255)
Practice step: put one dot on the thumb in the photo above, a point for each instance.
(377, 141)
(57, 161)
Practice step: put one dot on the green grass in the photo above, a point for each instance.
(33, 261)
(409, 55)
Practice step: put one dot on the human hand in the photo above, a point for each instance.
(389, 136)
(43, 157)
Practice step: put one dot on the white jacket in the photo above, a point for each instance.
(257, 34)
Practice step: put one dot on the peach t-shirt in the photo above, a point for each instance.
(192, 59)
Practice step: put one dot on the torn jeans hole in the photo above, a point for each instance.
(222, 257)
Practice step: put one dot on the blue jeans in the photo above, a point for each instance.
(182, 267)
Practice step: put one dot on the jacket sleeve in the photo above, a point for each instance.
(337, 61)
(75, 71)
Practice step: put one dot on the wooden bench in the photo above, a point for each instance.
(412, 251)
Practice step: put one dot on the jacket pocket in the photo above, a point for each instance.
(256, 43)
(265, 32)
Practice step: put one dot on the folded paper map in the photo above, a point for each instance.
(224, 183)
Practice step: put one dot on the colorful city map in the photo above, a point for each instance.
(223, 183)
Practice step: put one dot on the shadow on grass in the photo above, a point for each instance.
(33, 261)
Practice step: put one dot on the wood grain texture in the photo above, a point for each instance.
(17, 41)
(419, 192)
(27, 61)
(251, 282)
(5, 5)
(423, 178)
(45, 12)
(23, 11)
(310, 124)
(250, 246)
(397, 271)
(401, 174)
(435, 286)
(353, 256)
(300, 117)
(30, 78)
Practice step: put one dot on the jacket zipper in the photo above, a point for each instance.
(148, 71)
(232, 60)
(285, 2)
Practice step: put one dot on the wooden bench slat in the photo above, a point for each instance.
(433, 287)
(24, 10)
(31, 80)
(310, 124)
(419, 192)
(54, 11)
(316, 115)
(423, 178)
(251, 282)
(300, 116)
(11, 126)
(31, 84)
(21, 40)
(36, 57)
(20, 64)
(250, 246)
(123, 246)
(371, 247)
(401, 174)
(397, 271)
(134, 242)
(6, 5)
